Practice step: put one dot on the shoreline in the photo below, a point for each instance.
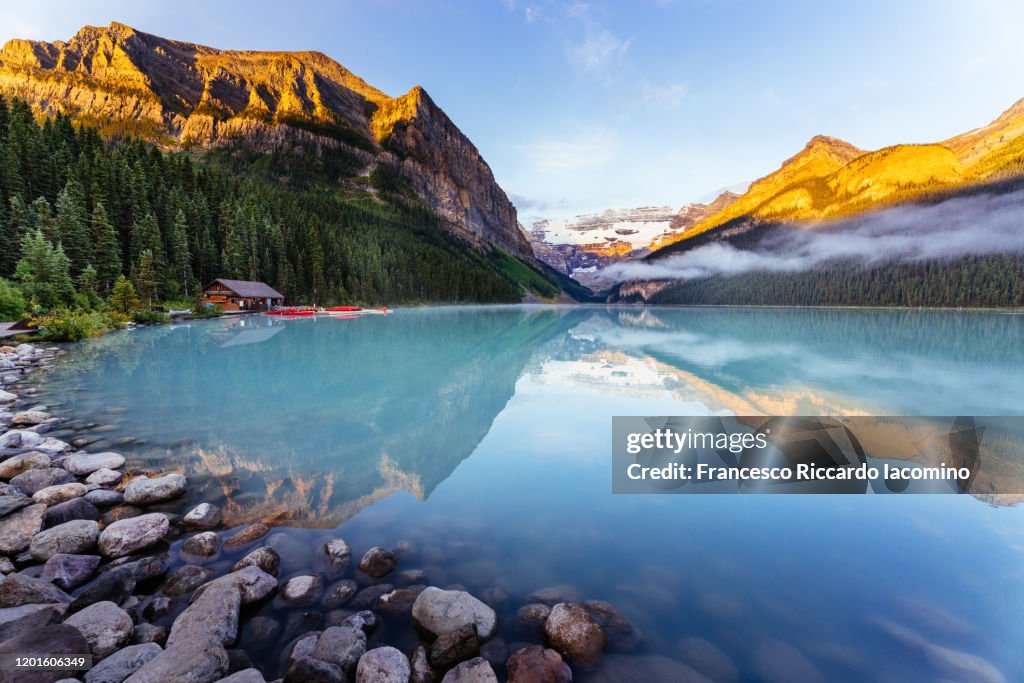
(94, 563)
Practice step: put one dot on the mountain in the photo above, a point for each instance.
(581, 247)
(181, 95)
(830, 178)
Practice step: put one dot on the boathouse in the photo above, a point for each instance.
(241, 295)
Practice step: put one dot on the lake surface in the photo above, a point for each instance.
(482, 437)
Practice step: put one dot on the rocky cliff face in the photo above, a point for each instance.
(182, 94)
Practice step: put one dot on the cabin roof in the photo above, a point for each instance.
(248, 289)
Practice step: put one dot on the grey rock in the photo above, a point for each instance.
(128, 536)
(104, 625)
(190, 662)
(186, 579)
(82, 464)
(20, 438)
(115, 585)
(205, 544)
(365, 620)
(378, 562)
(476, 670)
(369, 597)
(334, 558)
(104, 476)
(122, 664)
(149, 633)
(530, 618)
(18, 589)
(383, 665)
(146, 568)
(102, 498)
(58, 493)
(202, 516)
(18, 528)
(55, 639)
(27, 418)
(575, 634)
(211, 618)
(337, 594)
(341, 646)
(265, 558)
(146, 491)
(244, 676)
(455, 646)
(439, 611)
(419, 666)
(69, 571)
(301, 590)
(33, 460)
(260, 632)
(75, 537)
(399, 602)
(622, 635)
(17, 620)
(252, 583)
(310, 670)
(12, 503)
(69, 510)
(30, 482)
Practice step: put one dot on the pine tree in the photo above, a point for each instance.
(88, 287)
(181, 253)
(108, 252)
(146, 279)
(44, 271)
(123, 298)
(71, 226)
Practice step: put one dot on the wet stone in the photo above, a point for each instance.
(186, 579)
(369, 597)
(249, 534)
(265, 558)
(337, 594)
(68, 571)
(378, 562)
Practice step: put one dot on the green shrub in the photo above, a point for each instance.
(12, 302)
(146, 316)
(204, 312)
(66, 324)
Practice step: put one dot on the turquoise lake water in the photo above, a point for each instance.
(482, 436)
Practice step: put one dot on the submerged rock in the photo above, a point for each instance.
(249, 534)
(341, 646)
(301, 590)
(575, 634)
(476, 670)
(622, 635)
(265, 558)
(128, 536)
(383, 665)
(455, 646)
(104, 625)
(708, 659)
(146, 491)
(186, 579)
(205, 544)
(334, 558)
(439, 611)
(310, 670)
(777, 662)
(530, 618)
(399, 602)
(203, 516)
(378, 562)
(536, 664)
(337, 594)
(646, 668)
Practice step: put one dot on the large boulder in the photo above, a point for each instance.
(122, 664)
(69, 571)
(75, 537)
(252, 583)
(18, 589)
(439, 611)
(55, 639)
(33, 460)
(82, 464)
(575, 634)
(211, 618)
(536, 664)
(188, 662)
(20, 438)
(104, 625)
(477, 670)
(146, 491)
(383, 665)
(127, 536)
(18, 528)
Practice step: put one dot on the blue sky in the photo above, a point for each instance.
(579, 106)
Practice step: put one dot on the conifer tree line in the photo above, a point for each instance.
(77, 212)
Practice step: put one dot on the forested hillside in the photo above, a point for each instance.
(172, 222)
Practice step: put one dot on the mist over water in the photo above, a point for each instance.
(981, 225)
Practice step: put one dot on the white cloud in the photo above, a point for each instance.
(591, 146)
(597, 50)
(668, 94)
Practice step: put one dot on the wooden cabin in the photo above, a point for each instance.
(241, 295)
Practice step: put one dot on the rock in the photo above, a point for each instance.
(575, 634)
(301, 590)
(530, 618)
(253, 584)
(536, 664)
(53, 446)
(337, 594)
(378, 562)
(947, 663)
(58, 493)
(75, 537)
(419, 665)
(18, 589)
(495, 651)
(251, 533)
(211, 618)
(104, 499)
(115, 585)
(399, 602)
(334, 558)
(341, 646)
(553, 595)
(202, 516)
(104, 625)
(82, 464)
(18, 528)
(296, 554)
(383, 665)
(369, 597)
(366, 621)
(775, 662)
(20, 438)
(646, 668)
(28, 418)
(30, 482)
(122, 664)
(186, 579)
(6, 566)
(622, 635)
(157, 607)
(409, 577)
(496, 597)
(244, 676)
(265, 558)
(310, 670)
(260, 632)
(455, 646)
(128, 536)
(439, 611)
(69, 571)
(302, 647)
(104, 477)
(12, 503)
(185, 663)
(33, 460)
(147, 568)
(7, 397)
(205, 544)
(70, 510)
(17, 620)
(146, 491)
(149, 633)
(476, 670)
(708, 660)
(55, 639)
